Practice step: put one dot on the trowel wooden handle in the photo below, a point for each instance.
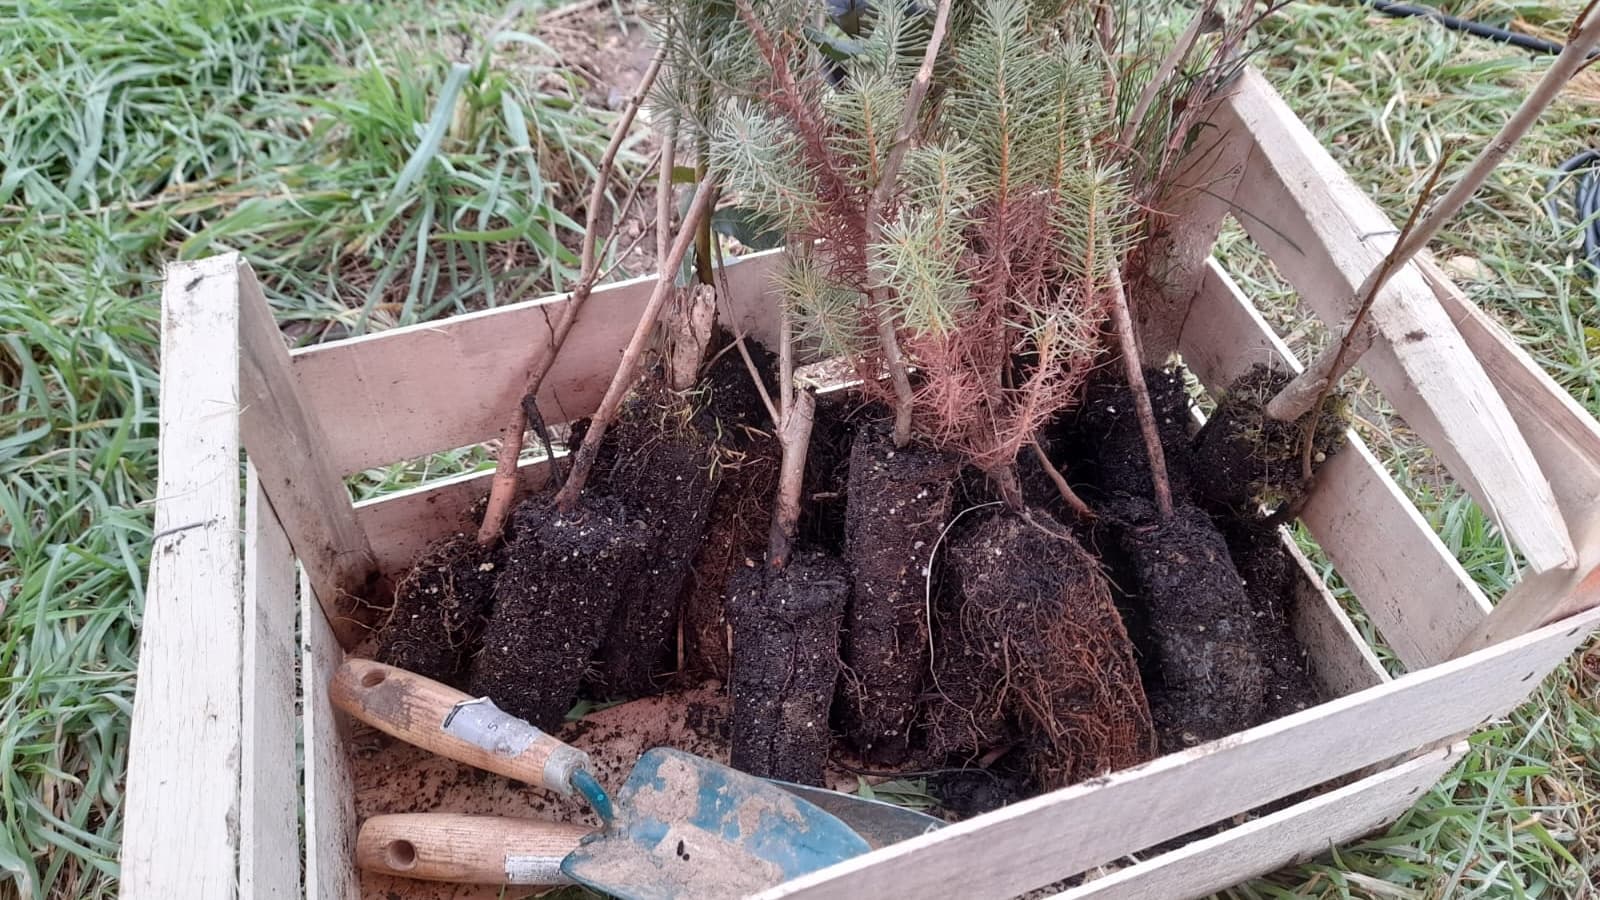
(467, 849)
(442, 720)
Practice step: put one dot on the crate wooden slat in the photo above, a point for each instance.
(1362, 755)
(1276, 840)
(269, 791)
(329, 790)
(184, 754)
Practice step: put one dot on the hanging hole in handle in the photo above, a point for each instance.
(374, 678)
(401, 856)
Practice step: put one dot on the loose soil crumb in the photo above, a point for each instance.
(1212, 669)
(785, 663)
(659, 463)
(1030, 649)
(1245, 460)
(899, 501)
(440, 609)
(553, 602)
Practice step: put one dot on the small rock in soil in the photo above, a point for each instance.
(785, 664)
(899, 501)
(554, 600)
(440, 609)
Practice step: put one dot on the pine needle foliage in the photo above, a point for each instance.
(1002, 227)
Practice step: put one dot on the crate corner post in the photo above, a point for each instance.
(182, 802)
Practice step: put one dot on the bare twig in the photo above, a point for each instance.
(794, 436)
(503, 487)
(1122, 319)
(876, 204)
(633, 357)
(1345, 354)
(1068, 495)
(1302, 395)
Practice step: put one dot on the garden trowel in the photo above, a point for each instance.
(681, 826)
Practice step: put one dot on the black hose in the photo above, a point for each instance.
(1456, 23)
(1584, 168)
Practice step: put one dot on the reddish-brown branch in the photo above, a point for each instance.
(1122, 319)
(633, 357)
(503, 487)
(1068, 495)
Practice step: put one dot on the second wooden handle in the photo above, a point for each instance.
(466, 849)
(442, 720)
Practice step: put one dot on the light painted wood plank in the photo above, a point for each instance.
(1418, 595)
(181, 831)
(269, 827)
(1299, 833)
(1063, 833)
(1566, 440)
(1325, 236)
(329, 787)
(417, 390)
(405, 523)
(288, 445)
(1341, 661)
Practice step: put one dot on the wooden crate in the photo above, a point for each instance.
(228, 685)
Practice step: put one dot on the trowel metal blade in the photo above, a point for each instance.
(879, 823)
(687, 827)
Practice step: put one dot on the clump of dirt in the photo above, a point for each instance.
(899, 501)
(1108, 427)
(1268, 570)
(1203, 623)
(440, 608)
(736, 533)
(1030, 650)
(785, 663)
(1244, 459)
(824, 501)
(659, 462)
(554, 600)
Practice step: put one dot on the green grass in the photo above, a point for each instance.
(374, 171)
(382, 164)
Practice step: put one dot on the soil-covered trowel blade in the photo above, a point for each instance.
(688, 828)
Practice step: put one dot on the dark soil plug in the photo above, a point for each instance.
(554, 601)
(1213, 673)
(1244, 460)
(1109, 426)
(1268, 571)
(899, 501)
(441, 606)
(659, 463)
(1027, 633)
(785, 663)
(736, 531)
